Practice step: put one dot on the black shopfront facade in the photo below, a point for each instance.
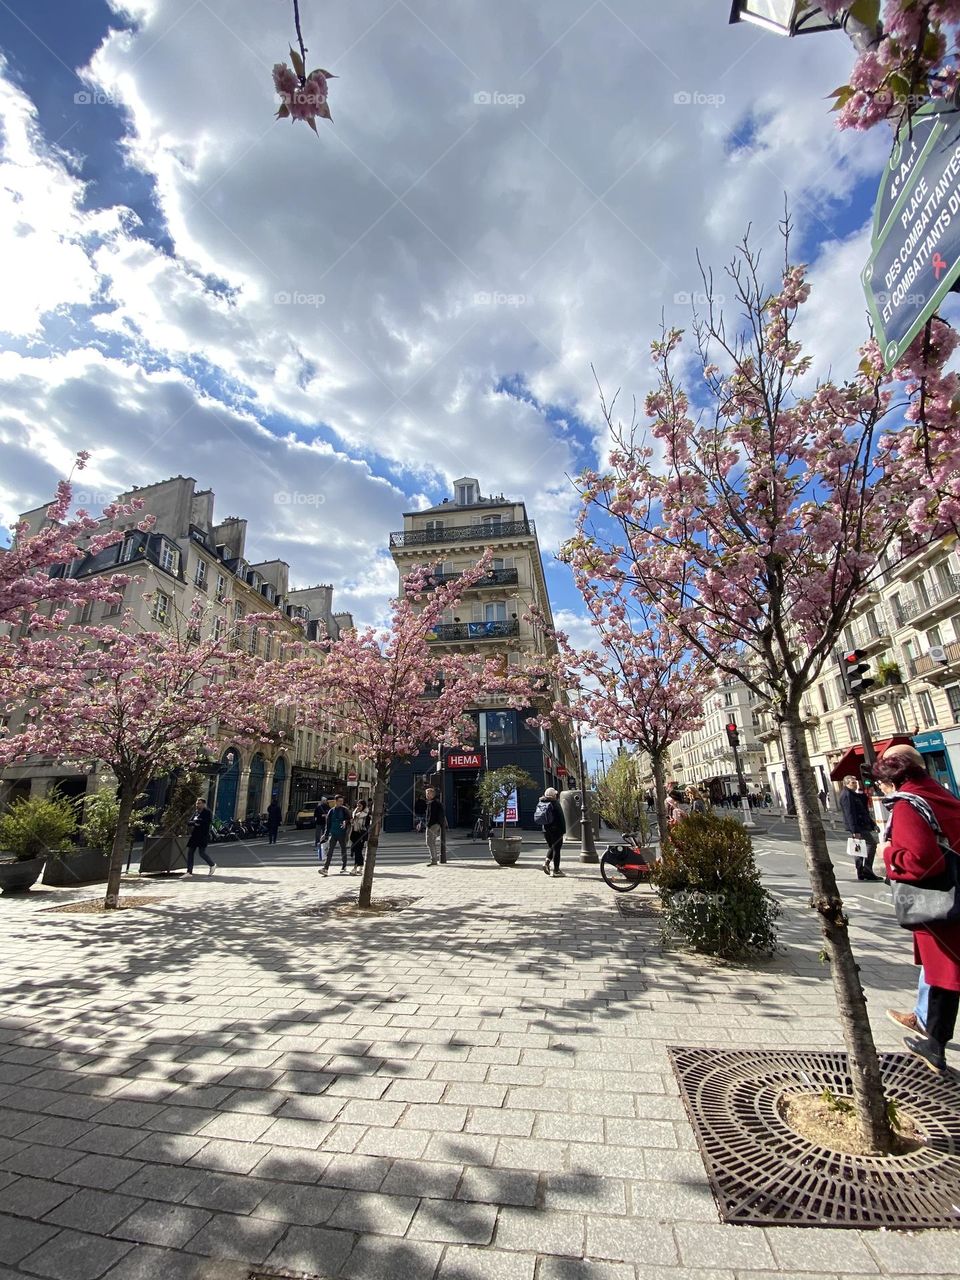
(503, 737)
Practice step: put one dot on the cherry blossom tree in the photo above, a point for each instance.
(303, 94)
(25, 581)
(389, 693)
(640, 684)
(908, 52)
(753, 523)
(142, 702)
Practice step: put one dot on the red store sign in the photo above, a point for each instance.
(465, 760)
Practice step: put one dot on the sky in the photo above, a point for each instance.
(328, 331)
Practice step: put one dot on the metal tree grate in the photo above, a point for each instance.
(632, 907)
(762, 1171)
(264, 1273)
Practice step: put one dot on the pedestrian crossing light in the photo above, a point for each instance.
(856, 673)
(733, 734)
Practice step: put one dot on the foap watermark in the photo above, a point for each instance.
(495, 98)
(694, 98)
(294, 498)
(484, 299)
(684, 299)
(88, 499)
(297, 298)
(95, 98)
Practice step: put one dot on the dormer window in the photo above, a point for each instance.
(466, 493)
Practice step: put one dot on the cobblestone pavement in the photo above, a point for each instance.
(474, 1087)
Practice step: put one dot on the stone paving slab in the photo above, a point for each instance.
(475, 1087)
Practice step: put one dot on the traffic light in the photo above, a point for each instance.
(866, 777)
(733, 734)
(856, 673)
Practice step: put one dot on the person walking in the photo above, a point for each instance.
(320, 825)
(696, 801)
(274, 815)
(859, 822)
(336, 832)
(912, 854)
(199, 824)
(435, 821)
(359, 830)
(549, 815)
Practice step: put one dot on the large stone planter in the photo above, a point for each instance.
(506, 849)
(163, 854)
(17, 877)
(84, 866)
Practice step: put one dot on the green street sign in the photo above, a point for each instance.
(915, 242)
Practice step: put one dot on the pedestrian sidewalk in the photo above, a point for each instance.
(477, 1086)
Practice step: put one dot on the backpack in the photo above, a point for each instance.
(543, 813)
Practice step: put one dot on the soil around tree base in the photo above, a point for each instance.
(95, 906)
(814, 1117)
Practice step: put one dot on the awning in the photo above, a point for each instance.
(852, 759)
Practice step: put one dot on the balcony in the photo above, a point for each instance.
(937, 600)
(931, 669)
(869, 640)
(463, 631)
(481, 533)
(495, 578)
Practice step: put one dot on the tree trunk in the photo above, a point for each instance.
(660, 792)
(373, 840)
(112, 899)
(864, 1065)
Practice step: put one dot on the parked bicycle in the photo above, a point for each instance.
(483, 828)
(624, 866)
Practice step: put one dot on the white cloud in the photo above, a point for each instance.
(384, 278)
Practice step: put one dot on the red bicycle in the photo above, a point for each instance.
(624, 866)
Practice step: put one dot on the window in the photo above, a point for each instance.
(873, 627)
(161, 607)
(193, 631)
(492, 521)
(169, 557)
(200, 577)
(466, 494)
(933, 637)
(851, 728)
(872, 722)
(112, 610)
(953, 697)
(133, 547)
(831, 734)
(434, 526)
(498, 563)
(86, 613)
(923, 595)
(728, 699)
(824, 700)
(219, 626)
(841, 691)
(814, 741)
(499, 728)
(899, 720)
(496, 612)
(237, 609)
(221, 588)
(925, 703)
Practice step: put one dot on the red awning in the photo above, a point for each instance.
(851, 760)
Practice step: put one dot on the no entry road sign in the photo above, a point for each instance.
(915, 245)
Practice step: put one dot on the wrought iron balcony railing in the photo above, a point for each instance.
(475, 630)
(495, 578)
(464, 533)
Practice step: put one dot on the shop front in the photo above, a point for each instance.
(933, 747)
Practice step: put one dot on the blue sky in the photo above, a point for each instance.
(506, 196)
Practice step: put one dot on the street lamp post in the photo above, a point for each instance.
(803, 17)
(588, 847)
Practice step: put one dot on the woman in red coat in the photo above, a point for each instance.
(912, 854)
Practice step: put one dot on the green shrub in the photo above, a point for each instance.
(101, 813)
(38, 826)
(711, 891)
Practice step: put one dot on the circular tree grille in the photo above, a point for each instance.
(762, 1171)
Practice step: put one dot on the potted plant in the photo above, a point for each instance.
(30, 831)
(888, 672)
(494, 792)
(89, 864)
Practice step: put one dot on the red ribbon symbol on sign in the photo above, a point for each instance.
(938, 265)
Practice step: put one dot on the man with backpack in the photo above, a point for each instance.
(335, 832)
(549, 816)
